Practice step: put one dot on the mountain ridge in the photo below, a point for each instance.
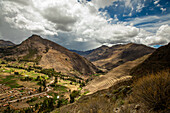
(4, 43)
(110, 57)
(48, 54)
(158, 61)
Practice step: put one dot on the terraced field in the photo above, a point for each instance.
(116, 75)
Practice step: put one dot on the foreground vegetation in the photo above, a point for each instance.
(149, 94)
(146, 94)
(153, 91)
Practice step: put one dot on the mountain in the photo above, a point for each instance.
(89, 54)
(105, 92)
(110, 57)
(49, 55)
(82, 53)
(4, 43)
(114, 76)
(159, 60)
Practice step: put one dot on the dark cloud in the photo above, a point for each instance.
(78, 25)
(67, 40)
(58, 16)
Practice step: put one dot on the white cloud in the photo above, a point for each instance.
(102, 3)
(161, 37)
(156, 2)
(80, 21)
(150, 23)
(163, 9)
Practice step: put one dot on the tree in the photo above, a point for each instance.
(16, 73)
(56, 79)
(82, 84)
(36, 106)
(38, 78)
(73, 95)
(44, 83)
(40, 89)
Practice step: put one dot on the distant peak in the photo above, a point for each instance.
(103, 46)
(35, 37)
(131, 43)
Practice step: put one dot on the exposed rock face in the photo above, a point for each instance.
(6, 44)
(159, 60)
(111, 57)
(49, 55)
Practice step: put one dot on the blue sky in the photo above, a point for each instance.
(87, 24)
(146, 8)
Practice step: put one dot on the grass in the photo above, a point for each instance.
(31, 53)
(153, 91)
(60, 88)
(23, 72)
(10, 81)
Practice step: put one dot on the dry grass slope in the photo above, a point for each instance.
(153, 91)
(114, 76)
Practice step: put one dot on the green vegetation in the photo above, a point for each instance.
(27, 73)
(49, 72)
(62, 102)
(59, 87)
(31, 54)
(10, 81)
(73, 95)
(32, 100)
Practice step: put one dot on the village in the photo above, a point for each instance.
(26, 86)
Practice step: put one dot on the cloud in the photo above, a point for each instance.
(150, 23)
(102, 3)
(22, 2)
(161, 37)
(163, 9)
(77, 24)
(156, 2)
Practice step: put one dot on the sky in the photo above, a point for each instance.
(87, 24)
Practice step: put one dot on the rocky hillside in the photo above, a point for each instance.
(159, 60)
(111, 57)
(114, 76)
(49, 55)
(6, 44)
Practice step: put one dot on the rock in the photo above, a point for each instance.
(137, 107)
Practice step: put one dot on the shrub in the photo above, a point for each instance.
(16, 73)
(2, 62)
(62, 102)
(153, 91)
(73, 95)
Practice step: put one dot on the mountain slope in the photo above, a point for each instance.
(114, 76)
(159, 60)
(49, 55)
(6, 43)
(111, 57)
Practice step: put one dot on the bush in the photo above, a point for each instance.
(62, 102)
(73, 95)
(2, 62)
(153, 91)
(16, 73)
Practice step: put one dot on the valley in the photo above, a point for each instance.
(24, 85)
(39, 75)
